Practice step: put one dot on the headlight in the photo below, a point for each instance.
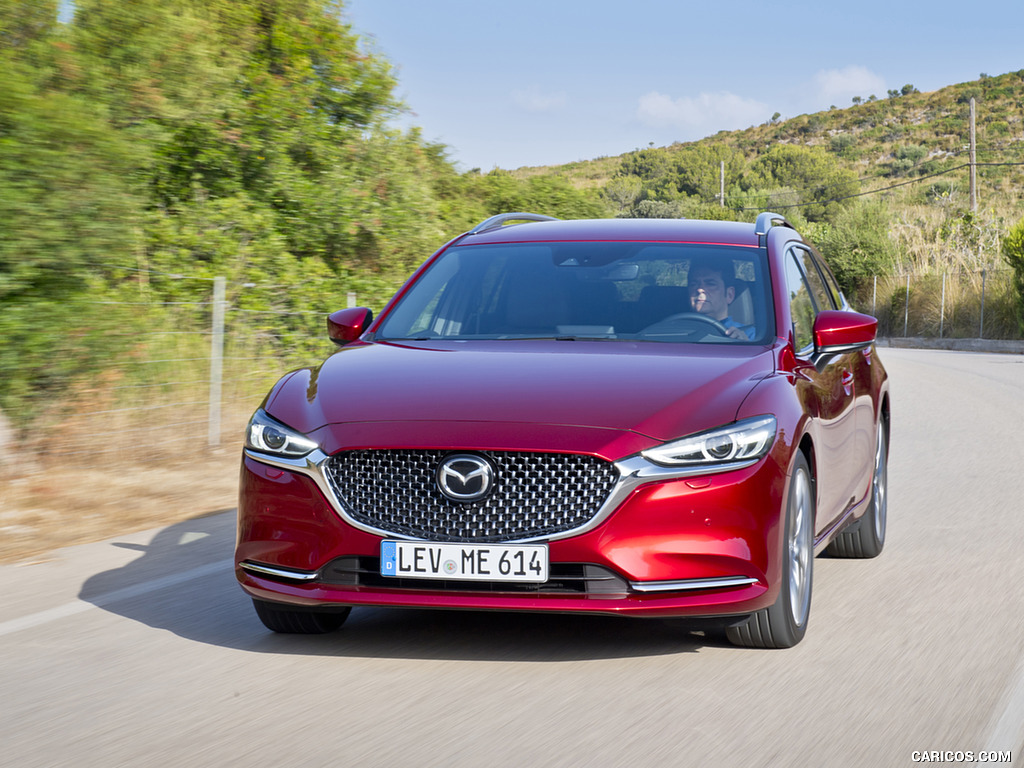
(747, 439)
(268, 435)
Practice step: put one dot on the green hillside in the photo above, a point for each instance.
(905, 136)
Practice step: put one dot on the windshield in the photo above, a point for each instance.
(628, 291)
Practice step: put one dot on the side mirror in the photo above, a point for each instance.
(837, 332)
(347, 325)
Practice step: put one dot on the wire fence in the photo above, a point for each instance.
(177, 391)
(194, 385)
(977, 304)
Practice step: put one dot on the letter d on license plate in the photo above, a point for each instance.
(466, 562)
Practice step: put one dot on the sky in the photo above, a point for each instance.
(551, 82)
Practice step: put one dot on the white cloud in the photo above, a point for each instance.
(839, 86)
(706, 114)
(532, 99)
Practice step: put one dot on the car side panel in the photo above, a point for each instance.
(829, 397)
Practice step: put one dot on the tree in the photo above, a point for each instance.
(242, 137)
(273, 100)
(857, 244)
(551, 195)
(623, 191)
(656, 209)
(823, 186)
(25, 22)
(692, 170)
(67, 210)
(647, 164)
(699, 169)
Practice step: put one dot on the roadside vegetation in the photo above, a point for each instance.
(147, 148)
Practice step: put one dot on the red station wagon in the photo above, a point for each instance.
(657, 418)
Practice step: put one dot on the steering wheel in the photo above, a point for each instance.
(683, 317)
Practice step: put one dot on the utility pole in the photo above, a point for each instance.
(974, 160)
(721, 183)
(216, 360)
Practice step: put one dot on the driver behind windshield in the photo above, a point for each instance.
(711, 293)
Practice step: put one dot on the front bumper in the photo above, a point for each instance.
(677, 547)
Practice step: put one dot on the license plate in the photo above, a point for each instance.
(465, 562)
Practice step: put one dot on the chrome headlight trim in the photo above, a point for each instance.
(745, 440)
(267, 435)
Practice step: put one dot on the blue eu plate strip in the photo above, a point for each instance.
(388, 558)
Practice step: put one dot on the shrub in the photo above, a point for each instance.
(844, 145)
(857, 245)
(1013, 253)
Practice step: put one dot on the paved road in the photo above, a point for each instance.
(143, 651)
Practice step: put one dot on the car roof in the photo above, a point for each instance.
(648, 230)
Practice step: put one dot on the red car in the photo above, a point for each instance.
(659, 418)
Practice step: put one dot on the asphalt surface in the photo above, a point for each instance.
(143, 651)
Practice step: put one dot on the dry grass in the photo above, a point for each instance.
(111, 461)
(127, 449)
(62, 505)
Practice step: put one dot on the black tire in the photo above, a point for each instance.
(298, 621)
(783, 624)
(867, 536)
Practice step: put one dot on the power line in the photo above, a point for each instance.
(862, 194)
(873, 177)
(881, 189)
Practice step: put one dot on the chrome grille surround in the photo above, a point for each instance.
(536, 495)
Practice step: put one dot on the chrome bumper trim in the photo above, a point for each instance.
(266, 570)
(691, 584)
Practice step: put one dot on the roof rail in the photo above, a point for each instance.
(766, 221)
(502, 218)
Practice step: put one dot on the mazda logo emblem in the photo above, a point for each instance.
(465, 477)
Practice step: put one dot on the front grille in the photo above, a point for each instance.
(564, 578)
(534, 495)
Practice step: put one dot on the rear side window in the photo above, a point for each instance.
(802, 309)
(823, 297)
(830, 283)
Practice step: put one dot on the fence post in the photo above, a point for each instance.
(906, 308)
(216, 360)
(981, 328)
(874, 297)
(942, 306)
(350, 298)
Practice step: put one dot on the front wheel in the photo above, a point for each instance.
(298, 621)
(783, 624)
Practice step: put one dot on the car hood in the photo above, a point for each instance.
(543, 391)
